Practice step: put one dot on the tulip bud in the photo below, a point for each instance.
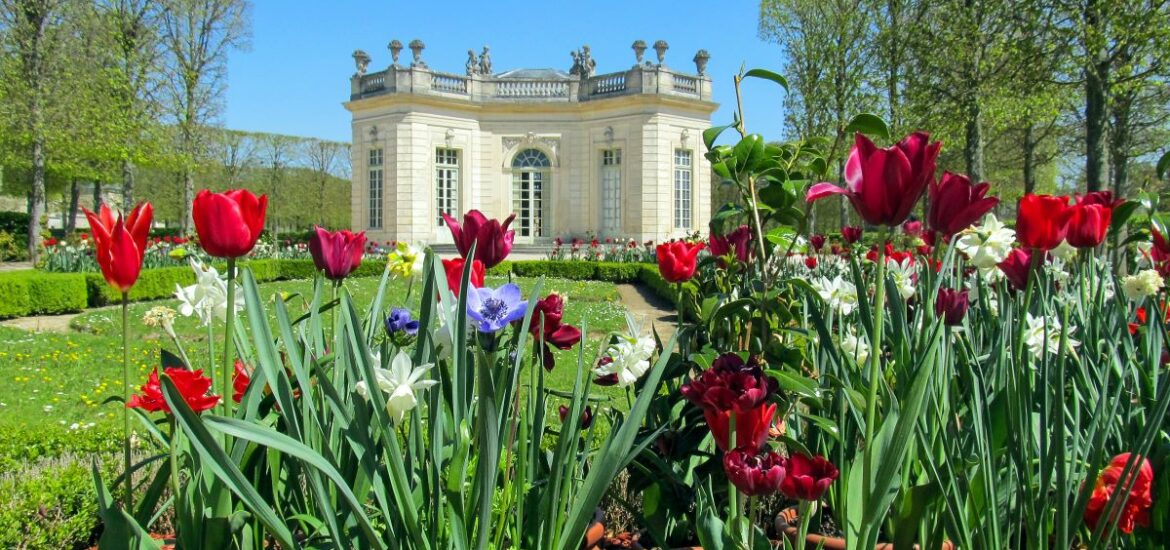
(951, 305)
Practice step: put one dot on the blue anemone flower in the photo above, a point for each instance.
(493, 309)
(401, 321)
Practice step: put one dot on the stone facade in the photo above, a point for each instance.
(573, 153)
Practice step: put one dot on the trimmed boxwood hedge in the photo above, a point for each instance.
(30, 292)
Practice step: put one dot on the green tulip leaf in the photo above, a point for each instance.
(870, 125)
(768, 75)
(1163, 165)
(711, 134)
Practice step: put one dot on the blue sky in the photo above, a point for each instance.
(295, 74)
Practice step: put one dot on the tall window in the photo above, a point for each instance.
(611, 191)
(375, 180)
(446, 183)
(682, 189)
(530, 177)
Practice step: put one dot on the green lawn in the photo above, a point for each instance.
(52, 386)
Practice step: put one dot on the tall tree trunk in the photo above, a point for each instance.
(973, 149)
(36, 206)
(127, 185)
(894, 60)
(1096, 96)
(1119, 143)
(97, 196)
(1029, 158)
(71, 211)
(186, 221)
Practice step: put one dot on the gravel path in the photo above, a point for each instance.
(42, 323)
(651, 309)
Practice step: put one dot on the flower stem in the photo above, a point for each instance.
(732, 492)
(805, 512)
(751, 527)
(679, 319)
(126, 394)
(875, 372)
(229, 331)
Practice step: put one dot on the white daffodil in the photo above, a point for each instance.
(855, 346)
(401, 383)
(1145, 283)
(405, 261)
(988, 244)
(1042, 335)
(629, 359)
(840, 294)
(903, 274)
(207, 298)
(1064, 251)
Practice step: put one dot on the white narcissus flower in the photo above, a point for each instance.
(903, 274)
(401, 383)
(1064, 251)
(855, 346)
(405, 261)
(1145, 283)
(988, 244)
(840, 294)
(629, 360)
(207, 298)
(1042, 335)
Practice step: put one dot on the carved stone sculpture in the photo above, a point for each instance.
(472, 64)
(588, 64)
(416, 48)
(639, 48)
(361, 60)
(395, 47)
(701, 58)
(485, 62)
(575, 70)
(660, 48)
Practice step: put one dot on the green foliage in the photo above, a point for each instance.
(14, 300)
(15, 223)
(152, 284)
(28, 292)
(553, 268)
(49, 505)
(618, 272)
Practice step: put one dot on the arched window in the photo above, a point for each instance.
(530, 178)
(531, 158)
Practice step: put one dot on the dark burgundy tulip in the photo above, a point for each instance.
(1017, 267)
(951, 305)
(884, 184)
(492, 239)
(337, 253)
(586, 416)
(754, 472)
(955, 203)
(851, 234)
(738, 242)
(808, 478)
(817, 241)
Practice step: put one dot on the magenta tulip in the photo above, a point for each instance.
(884, 184)
(492, 239)
(337, 253)
(955, 203)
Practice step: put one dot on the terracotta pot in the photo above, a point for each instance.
(595, 532)
(788, 522)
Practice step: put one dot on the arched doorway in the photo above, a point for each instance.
(531, 177)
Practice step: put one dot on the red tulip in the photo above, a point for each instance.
(677, 260)
(955, 203)
(1135, 507)
(1088, 220)
(912, 228)
(810, 262)
(120, 245)
(492, 240)
(738, 241)
(851, 234)
(1017, 267)
(229, 223)
(884, 184)
(808, 478)
(337, 253)
(751, 426)
(192, 385)
(951, 305)
(240, 381)
(817, 241)
(1041, 221)
(754, 473)
(454, 271)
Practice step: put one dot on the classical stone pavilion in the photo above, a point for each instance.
(572, 153)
